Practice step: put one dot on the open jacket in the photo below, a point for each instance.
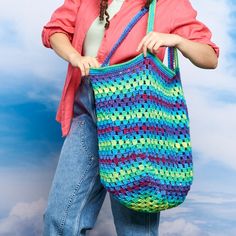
(74, 17)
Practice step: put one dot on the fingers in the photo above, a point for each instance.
(146, 43)
(83, 68)
(155, 47)
(86, 67)
(86, 63)
(149, 42)
(142, 41)
(96, 64)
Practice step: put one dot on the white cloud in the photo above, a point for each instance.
(212, 126)
(176, 211)
(210, 94)
(27, 210)
(180, 227)
(215, 198)
(203, 213)
(217, 18)
(195, 218)
(25, 183)
(27, 67)
(24, 219)
(219, 205)
(28, 54)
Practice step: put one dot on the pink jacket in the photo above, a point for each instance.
(75, 17)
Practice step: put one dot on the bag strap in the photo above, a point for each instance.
(172, 51)
(124, 34)
(173, 61)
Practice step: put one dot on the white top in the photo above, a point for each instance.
(95, 33)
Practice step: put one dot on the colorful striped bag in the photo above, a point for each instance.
(145, 156)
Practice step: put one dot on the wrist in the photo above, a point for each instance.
(72, 56)
(179, 40)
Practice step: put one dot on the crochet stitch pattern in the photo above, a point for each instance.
(145, 155)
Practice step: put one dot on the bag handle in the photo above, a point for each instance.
(172, 51)
(124, 34)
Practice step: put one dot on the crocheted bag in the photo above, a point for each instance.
(145, 156)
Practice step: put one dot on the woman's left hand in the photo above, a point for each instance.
(153, 40)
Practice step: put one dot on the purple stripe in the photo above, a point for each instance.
(167, 159)
(139, 98)
(163, 130)
(179, 191)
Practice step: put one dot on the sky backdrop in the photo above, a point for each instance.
(32, 79)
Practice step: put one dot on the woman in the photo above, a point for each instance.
(78, 33)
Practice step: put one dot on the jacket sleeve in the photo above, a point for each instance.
(62, 20)
(185, 24)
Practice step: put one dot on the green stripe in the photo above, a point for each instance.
(145, 203)
(152, 115)
(128, 172)
(150, 144)
(128, 85)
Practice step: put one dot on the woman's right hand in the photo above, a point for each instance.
(83, 62)
(63, 47)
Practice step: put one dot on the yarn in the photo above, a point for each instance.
(145, 154)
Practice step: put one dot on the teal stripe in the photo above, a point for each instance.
(120, 67)
(130, 79)
(161, 113)
(111, 120)
(146, 166)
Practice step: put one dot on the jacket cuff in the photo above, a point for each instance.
(47, 32)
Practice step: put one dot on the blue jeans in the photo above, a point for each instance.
(76, 195)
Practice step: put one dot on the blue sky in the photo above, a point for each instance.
(32, 78)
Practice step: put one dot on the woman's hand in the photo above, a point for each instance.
(153, 40)
(83, 62)
(200, 54)
(63, 47)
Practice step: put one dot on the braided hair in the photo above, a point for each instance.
(103, 11)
